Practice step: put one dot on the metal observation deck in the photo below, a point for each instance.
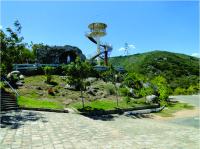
(97, 29)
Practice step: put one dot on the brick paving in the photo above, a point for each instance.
(49, 130)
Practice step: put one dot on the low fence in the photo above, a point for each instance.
(32, 69)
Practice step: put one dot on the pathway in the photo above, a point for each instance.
(30, 129)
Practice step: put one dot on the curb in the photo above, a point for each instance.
(116, 111)
(45, 110)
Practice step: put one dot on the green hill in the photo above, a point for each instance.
(175, 67)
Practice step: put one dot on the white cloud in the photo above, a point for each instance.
(196, 55)
(130, 46)
(121, 49)
(1, 26)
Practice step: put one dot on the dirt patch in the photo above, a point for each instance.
(179, 114)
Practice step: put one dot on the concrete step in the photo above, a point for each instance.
(9, 104)
(4, 96)
(9, 108)
(9, 99)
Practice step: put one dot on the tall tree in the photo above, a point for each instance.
(12, 47)
(77, 72)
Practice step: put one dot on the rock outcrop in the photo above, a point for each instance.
(58, 54)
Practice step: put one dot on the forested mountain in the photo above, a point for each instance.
(179, 69)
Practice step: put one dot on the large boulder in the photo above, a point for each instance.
(58, 54)
(151, 98)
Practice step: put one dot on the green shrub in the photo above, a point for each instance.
(162, 87)
(110, 89)
(49, 78)
(146, 91)
(127, 99)
(2, 86)
(139, 101)
(3, 69)
(124, 91)
(192, 89)
(180, 91)
(48, 73)
(164, 93)
(133, 80)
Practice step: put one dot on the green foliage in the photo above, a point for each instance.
(110, 89)
(35, 49)
(48, 73)
(162, 88)
(146, 91)
(13, 48)
(192, 89)
(127, 99)
(133, 80)
(109, 74)
(48, 70)
(124, 91)
(78, 71)
(179, 70)
(140, 101)
(184, 81)
(2, 69)
(180, 91)
(2, 86)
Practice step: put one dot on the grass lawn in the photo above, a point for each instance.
(35, 103)
(105, 105)
(172, 108)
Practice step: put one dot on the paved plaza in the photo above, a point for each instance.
(48, 130)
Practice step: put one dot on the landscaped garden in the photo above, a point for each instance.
(147, 80)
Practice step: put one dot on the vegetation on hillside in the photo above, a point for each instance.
(180, 71)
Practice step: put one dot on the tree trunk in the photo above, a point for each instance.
(82, 99)
(116, 95)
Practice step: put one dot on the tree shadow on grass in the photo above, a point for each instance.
(53, 83)
(15, 119)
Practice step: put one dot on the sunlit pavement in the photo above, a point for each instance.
(30, 129)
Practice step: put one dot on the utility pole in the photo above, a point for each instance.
(126, 49)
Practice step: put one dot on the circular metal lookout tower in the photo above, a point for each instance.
(97, 30)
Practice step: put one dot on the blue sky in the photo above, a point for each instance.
(145, 26)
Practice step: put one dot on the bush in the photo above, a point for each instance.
(139, 101)
(161, 85)
(133, 80)
(48, 73)
(164, 93)
(110, 89)
(180, 91)
(146, 91)
(2, 86)
(192, 89)
(2, 69)
(124, 91)
(127, 99)
(49, 78)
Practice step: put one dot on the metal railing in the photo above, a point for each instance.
(14, 90)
